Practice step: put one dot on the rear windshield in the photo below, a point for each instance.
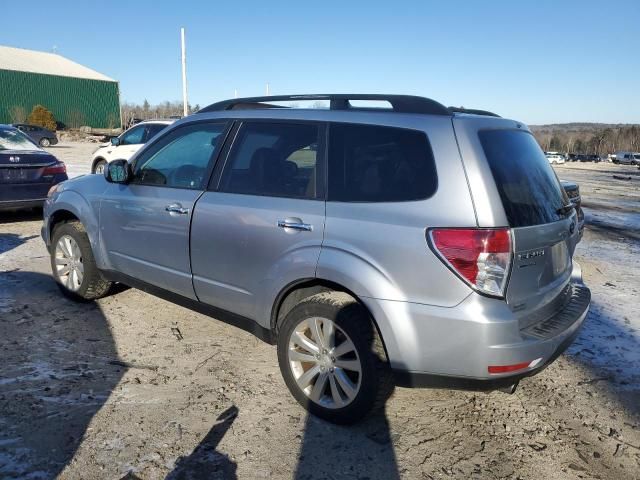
(529, 188)
(15, 140)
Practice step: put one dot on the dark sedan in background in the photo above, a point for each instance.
(573, 192)
(26, 171)
(39, 135)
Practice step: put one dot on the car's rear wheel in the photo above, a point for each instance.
(332, 358)
(99, 167)
(73, 264)
(44, 142)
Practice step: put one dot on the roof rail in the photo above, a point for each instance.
(399, 103)
(473, 111)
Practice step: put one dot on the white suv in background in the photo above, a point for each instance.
(555, 157)
(128, 143)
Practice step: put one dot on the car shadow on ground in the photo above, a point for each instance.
(333, 451)
(13, 216)
(58, 366)
(9, 241)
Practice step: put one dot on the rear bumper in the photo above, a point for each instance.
(426, 380)
(453, 347)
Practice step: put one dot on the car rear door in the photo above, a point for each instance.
(260, 225)
(145, 224)
(522, 191)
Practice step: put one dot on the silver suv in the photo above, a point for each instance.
(412, 245)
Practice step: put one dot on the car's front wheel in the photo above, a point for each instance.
(332, 358)
(99, 167)
(73, 265)
(44, 142)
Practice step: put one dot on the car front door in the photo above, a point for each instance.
(144, 224)
(260, 224)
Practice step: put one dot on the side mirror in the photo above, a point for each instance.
(118, 171)
(115, 141)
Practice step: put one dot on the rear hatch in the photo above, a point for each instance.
(526, 195)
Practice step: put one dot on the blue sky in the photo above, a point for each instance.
(539, 62)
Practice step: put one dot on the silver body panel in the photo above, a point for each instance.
(242, 259)
(230, 252)
(145, 241)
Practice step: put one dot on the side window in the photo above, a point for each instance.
(379, 164)
(181, 158)
(273, 159)
(133, 136)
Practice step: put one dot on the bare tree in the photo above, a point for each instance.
(588, 138)
(18, 114)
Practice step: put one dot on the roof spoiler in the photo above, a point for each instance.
(473, 111)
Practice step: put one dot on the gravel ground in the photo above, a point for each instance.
(132, 386)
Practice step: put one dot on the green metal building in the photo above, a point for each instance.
(76, 95)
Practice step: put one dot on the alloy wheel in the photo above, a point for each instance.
(68, 263)
(324, 362)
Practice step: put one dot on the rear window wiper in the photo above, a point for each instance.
(565, 209)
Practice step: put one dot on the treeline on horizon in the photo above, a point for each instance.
(587, 138)
(600, 139)
(146, 111)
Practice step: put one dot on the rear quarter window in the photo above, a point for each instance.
(528, 186)
(379, 164)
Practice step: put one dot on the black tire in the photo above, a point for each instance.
(93, 285)
(44, 142)
(98, 164)
(376, 379)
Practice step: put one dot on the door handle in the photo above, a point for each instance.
(176, 208)
(295, 225)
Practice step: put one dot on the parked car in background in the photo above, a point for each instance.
(626, 158)
(27, 172)
(593, 158)
(129, 142)
(573, 192)
(351, 238)
(572, 157)
(555, 157)
(39, 135)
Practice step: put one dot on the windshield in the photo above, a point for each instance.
(15, 140)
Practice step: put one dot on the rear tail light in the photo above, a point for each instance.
(55, 169)
(479, 256)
